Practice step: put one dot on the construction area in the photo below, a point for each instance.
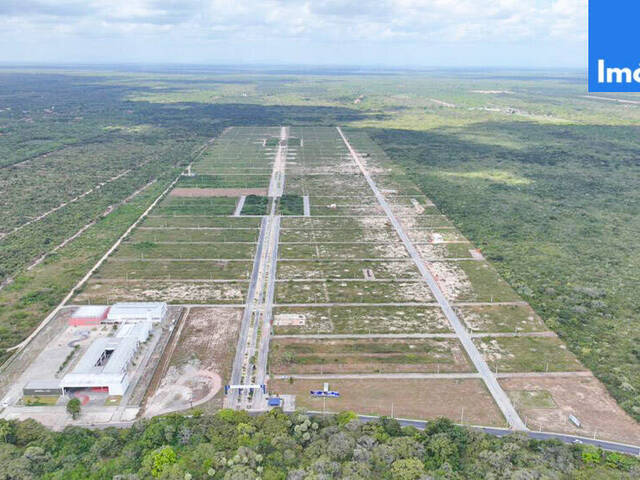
(301, 268)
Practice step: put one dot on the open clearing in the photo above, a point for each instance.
(465, 399)
(291, 356)
(584, 397)
(201, 361)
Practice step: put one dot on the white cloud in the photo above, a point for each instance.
(327, 23)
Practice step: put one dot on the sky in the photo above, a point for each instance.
(412, 33)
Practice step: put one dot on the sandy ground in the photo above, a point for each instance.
(452, 280)
(411, 398)
(172, 292)
(217, 192)
(584, 397)
(200, 362)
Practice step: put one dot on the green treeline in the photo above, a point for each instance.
(235, 446)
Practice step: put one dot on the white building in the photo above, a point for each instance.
(137, 312)
(139, 331)
(103, 366)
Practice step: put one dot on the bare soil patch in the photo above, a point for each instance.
(584, 397)
(201, 361)
(410, 398)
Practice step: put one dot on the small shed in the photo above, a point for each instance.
(89, 315)
(42, 388)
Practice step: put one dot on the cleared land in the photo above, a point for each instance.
(289, 356)
(550, 401)
(462, 399)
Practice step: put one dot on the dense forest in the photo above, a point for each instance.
(235, 446)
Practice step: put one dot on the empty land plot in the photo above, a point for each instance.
(353, 234)
(289, 356)
(444, 250)
(352, 292)
(186, 251)
(584, 397)
(333, 184)
(396, 184)
(392, 269)
(216, 192)
(342, 251)
(196, 206)
(291, 205)
(323, 201)
(106, 292)
(471, 281)
(409, 398)
(201, 362)
(527, 354)
(362, 319)
(337, 223)
(424, 221)
(409, 200)
(193, 235)
(242, 180)
(435, 236)
(501, 318)
(346, 210)
(407, 211)
(180, 269)
(159, 221)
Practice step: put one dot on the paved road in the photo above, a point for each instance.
(376, 376)
(306, 206)
(236, 372)
(501, 432)
(499, 395)
(339, 336)
(253, 345)
(239, 206)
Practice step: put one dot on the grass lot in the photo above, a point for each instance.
(444, 250)
(149, 250)
(365, 320)
(342, 250)
(255, 205)
(291, 205)
(290, 356)
(418, 399)
(528, 399)
(528, 354)
(243, 180)
(346, 269)
(182, 269)
(501, 318)
(347, 234)
(201, 221)
(352, 292)
(486, 284)
(38, 401)
(207, 206)
(159, 234)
